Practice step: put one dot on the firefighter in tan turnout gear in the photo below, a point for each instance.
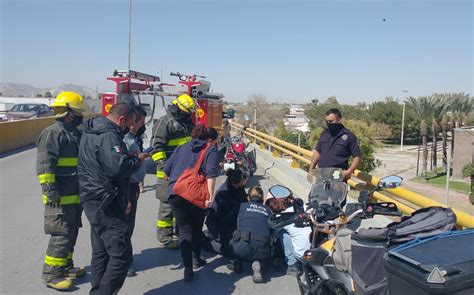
(56, 166)
(170, 131)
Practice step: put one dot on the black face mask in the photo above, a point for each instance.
(125, 131)
(77, 120)
(334, 128)
(140, 131)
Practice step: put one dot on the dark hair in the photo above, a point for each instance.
(255, 192)
(235, 176)
(203, 133)
(213, 134)
(275, 205)
(139, 111)
(122, 109)
(335, 112)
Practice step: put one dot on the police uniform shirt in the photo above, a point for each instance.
(253, 218)
(335, 150)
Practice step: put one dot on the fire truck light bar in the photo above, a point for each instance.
(136, 75)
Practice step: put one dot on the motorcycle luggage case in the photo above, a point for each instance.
(443, 264)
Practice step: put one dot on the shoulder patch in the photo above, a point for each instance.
(344, 137)
(117, 149)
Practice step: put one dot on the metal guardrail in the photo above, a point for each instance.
(360, 180)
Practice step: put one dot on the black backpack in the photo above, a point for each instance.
(368, 246)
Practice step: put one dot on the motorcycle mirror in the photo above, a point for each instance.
(392, 181)
(280, 191)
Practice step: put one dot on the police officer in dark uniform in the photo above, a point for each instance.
(251, 240)
(336, 145)
(104, 169)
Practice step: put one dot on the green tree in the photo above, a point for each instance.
(423, 106)
(367, 144)
(332, 100)
(389, 112)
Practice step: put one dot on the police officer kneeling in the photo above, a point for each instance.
(251, 240)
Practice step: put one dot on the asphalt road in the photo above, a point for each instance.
(23, 245)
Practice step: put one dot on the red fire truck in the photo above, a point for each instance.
(131, 85)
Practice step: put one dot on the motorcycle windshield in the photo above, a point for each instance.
(319, 175)
(327, 186)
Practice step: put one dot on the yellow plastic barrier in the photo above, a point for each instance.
(22, 133)
(18, 134)
(464, 219)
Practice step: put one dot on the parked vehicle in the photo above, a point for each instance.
(28, 111)
(320, 273)
(237, 154)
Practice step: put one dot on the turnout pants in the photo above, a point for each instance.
(62, 224)
(165, 222)
(111, 247)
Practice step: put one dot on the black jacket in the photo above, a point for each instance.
(169, 131)
(104, 166)
(228, 205)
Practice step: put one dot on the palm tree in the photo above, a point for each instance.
(438, 102)
(423, 107)
(444, 132)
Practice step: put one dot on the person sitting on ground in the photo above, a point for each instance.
(294, 240)
(251, 240)
(222, 219)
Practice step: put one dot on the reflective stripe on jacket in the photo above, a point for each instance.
(56, 163)
(169, 132)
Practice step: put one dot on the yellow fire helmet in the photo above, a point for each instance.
(185, 103)
(70, 100)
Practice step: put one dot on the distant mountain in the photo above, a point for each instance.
(16, 89)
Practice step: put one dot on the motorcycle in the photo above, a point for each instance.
(237, 156)
(324, 213)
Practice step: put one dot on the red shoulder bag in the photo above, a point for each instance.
(192, 184)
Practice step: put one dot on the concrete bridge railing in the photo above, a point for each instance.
(360, 180)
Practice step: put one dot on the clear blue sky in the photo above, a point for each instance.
(285, 50)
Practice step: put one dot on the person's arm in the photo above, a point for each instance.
(159, 141)
(211, 185)
(47, 159)
(356, 154)
(116, 163)
(355, 164)
(211, 172)
(314, 160)
(316, 155)
(170, 162)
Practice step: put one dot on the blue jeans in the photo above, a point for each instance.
(295, 242)
(285, 240)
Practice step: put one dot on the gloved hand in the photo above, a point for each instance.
(50, 191)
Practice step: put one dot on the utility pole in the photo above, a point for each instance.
(255, 116)
(403, 123)
(129, 31)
